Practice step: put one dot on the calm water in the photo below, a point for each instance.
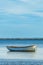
(6, 54)
(39, 43)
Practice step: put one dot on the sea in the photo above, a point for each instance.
(21, 58)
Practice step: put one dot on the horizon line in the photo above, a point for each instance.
(19, 38)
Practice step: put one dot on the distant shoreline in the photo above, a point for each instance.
(21, 38)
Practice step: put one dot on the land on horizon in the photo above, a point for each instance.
(21, 38)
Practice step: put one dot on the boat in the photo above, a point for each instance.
(31, 48)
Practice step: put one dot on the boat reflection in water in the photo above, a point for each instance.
(31, 48)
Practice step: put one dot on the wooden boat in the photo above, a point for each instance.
(31, 48)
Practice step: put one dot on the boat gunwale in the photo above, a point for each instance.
(20, 46)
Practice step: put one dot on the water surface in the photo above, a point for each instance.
(6, 54)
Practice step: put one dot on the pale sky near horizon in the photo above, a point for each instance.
(21, 18)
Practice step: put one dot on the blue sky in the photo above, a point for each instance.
(21, 18)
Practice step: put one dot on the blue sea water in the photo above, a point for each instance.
(39, 43)
(21, 58)
(21, 62)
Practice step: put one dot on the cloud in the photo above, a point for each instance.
(22, 6)
(21, 18)
(24, 0)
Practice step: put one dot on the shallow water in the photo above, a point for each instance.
(21, 62)
(21, 58)
(6, 54)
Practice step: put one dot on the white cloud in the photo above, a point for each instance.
(20, 12)
(29, 7)
(24, 0)
(17, 23)
(38, 14)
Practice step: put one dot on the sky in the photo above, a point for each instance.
(21, 18)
